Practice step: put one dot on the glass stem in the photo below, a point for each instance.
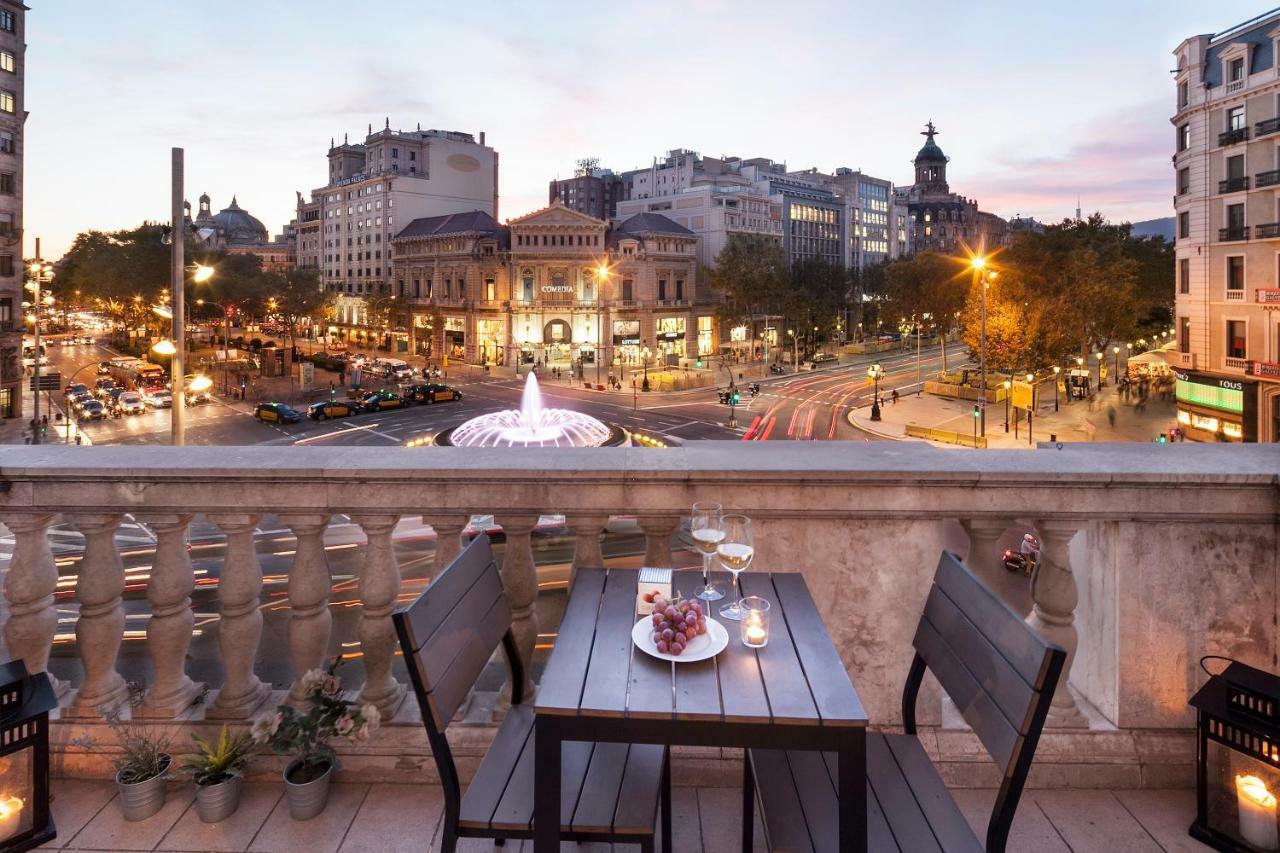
(706, 571)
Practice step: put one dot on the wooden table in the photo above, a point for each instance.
(792, 694)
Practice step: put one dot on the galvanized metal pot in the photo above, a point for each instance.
(220, 801)
(307, 799)
(140, 800)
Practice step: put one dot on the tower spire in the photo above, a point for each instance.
(1077, 207)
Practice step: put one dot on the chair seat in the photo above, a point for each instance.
(606, 788)
(908, 806)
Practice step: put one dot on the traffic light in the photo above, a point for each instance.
(698, 364)
(736, 397)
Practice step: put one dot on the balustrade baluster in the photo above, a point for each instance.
(657, 539)
(309, 619)
(379, 588)
(586, 548)
(448, 530)
(172, 620)
(240, 619)
(100, 626)
(520, 580)
(986, 560)
(1055, 595)
(28, 588)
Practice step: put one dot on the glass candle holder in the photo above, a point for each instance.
(754, 623)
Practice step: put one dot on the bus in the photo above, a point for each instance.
(136, 374)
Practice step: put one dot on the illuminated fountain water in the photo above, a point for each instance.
(532, 425)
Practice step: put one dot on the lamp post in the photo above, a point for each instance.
(1008, 386)
(1056, 371)
(980, 275)
(41, 272)
(602, 278)
(1080, 366)
(1031, 380)
(1101, 367)
(644, 353)
(1116, 351)
(795, 350)
(874, 372)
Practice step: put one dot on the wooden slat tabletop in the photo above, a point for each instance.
(798, 679)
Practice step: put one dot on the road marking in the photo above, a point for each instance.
(353, 428)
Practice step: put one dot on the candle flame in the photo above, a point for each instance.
(1256, 790)
(9, 807)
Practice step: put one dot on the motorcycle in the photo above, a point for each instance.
(755, 389)
(1016, 561)
(777, 368)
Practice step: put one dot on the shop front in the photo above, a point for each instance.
(491, 341)
(669, 340)
(1213, 408)
(455, 337)
(1268, 374)
(557, 341)
(626, 342)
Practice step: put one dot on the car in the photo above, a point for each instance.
(129, 403)
(93, 410)
(329, 361)
(332, 409)
(377, 401)
(104, 368)
(86, 339)
(75, 389)
(103, 388)
(77, 401)
(276, 413)
(69, 341)
(158, 398)
(821, 358)
(433, 392)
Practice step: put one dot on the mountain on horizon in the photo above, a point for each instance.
(1154, 228)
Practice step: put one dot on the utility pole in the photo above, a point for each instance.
(177, 299)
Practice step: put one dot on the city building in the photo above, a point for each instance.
(714, 211)
(940, 220)
(13, 112)
(592, 190)
(238, 232)
(877, 225)
(554, 287)
(376, 188)
(1226, 170)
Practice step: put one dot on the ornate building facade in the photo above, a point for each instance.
(940, 220)
(556, 286)
(13, 112)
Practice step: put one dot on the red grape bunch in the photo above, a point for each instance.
(675, 624)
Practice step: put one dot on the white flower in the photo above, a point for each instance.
(372, 717)
(345, 725)
(265, 727)
(313, 680)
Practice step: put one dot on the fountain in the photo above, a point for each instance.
(532, 425)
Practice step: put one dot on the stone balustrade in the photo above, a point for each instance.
(1153, 556)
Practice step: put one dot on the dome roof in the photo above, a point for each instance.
(930, 149)
(238, 226)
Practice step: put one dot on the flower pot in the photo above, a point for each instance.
(140, 800)
(219, 801)
(306, 799)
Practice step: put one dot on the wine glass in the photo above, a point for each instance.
(704, 527)
(735, 552)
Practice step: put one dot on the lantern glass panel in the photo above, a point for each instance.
(1242, 797)
(17, 786)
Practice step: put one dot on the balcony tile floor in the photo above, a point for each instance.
(390, 818)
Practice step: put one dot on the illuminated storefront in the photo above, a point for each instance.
(491, 341)
(455, 337)
(669, 337)
(1211, 408)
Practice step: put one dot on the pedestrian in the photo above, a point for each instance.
(78, 441)
(342, 378)
(894, 395)
(1173, 434)
(1111, 416)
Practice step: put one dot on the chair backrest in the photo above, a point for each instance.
(998, 671)
(449, 632)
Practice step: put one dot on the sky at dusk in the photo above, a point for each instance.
(1036, 103)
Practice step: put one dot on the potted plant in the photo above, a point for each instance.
(217, 768)
(142, 767)
(305, 734)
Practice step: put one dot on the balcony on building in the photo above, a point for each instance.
(1266, 127)
(1267, 231)
(1233, 234)
(1233, 185)
(1152, 556)
(1267, 179)
(1231, 137)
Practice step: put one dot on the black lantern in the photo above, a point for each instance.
(25, 703)
(1238, 760)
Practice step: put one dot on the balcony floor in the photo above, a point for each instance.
(390, 818)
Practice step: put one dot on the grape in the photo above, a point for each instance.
(668, 635)
(662, 646)
(657, 619)
(657, 635)
(681, 637)
(675, 649)
(702, 627)
(671, 613)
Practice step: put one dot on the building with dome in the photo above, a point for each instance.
(237, 231)
(940, 220)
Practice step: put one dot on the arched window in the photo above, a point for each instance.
(526, 284)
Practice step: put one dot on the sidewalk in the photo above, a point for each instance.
(1077, 421)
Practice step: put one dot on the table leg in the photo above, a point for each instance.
(852, 761)
(546, 790)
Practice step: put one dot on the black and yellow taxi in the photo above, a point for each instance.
(434, 392)
(380, 401)
(277, 413)
(332, 409)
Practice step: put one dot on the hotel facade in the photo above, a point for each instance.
(1226, 166)
(556, 287)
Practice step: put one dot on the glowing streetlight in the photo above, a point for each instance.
(201, 274)
(200, 383)
(164, 346)
(1056, 371)
(874, 372)
(978, 264)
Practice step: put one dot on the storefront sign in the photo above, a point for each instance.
(1265, 370)
(455, 324)
(672, 336)
(618, 339)
(557, 288)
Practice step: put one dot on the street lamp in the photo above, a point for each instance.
(978, 264)
(602, 281)
(795, 350)
(41, 273)
(1098, 356)
(1116, 351)
(874, 372)
(1056, 371)
(644, 353)
(1007, 386)
(1031, 380)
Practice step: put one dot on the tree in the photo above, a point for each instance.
(298, 297)
(751, 275)
(816, 297)
(932, 288)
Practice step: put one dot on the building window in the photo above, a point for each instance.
(7, 22)
(1235, 118)
(1184, 334)
(1184, 275)
(1183, 95)
(1237, 332)
(1184, 137)
(1235, 70)
(1184, 225)
(1184, 181)
(6, 102)
(6, 266)
(1235, 272)
(679, 289)
(628, 287)
(490, 290)
(526, 283)
(662, 289)
(8, 62)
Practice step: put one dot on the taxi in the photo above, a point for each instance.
(434, 392)
(332, 409)
(276, 413)
(379, 401)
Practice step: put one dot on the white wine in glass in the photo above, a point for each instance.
(704, 527)
(735, 552)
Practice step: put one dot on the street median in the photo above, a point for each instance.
(945, 436)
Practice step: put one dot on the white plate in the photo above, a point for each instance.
(704, 646)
